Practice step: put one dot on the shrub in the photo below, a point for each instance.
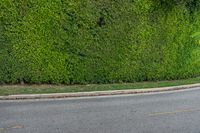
(87, 41)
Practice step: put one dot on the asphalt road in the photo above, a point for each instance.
(171, 112)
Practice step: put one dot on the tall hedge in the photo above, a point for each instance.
(98, 41)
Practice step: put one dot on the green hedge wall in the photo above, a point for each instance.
(98, 41)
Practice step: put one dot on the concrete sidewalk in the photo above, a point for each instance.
(97, 93)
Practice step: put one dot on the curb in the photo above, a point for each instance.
(97, 93)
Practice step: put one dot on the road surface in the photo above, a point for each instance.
(171, 112)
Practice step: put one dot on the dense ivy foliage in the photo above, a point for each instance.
(98, 41)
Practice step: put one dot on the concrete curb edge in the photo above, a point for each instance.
(96, 93)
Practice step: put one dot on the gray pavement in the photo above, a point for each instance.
(169, 112)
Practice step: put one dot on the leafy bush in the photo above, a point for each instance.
(87, 41)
